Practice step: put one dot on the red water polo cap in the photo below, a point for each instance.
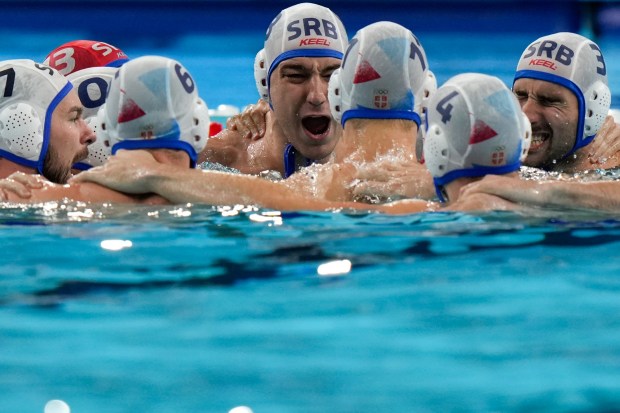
(81, 54)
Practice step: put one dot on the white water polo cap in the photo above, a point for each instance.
(577, 63)
(475, 127)
(153, 103)
(384, 75)
(29, 94)
(92, 85)
(302, 30)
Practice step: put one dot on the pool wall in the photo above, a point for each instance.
(162, 21)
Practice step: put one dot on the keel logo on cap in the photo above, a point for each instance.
(302, 30)
(312, 27)
(576, 63)
(306, 27)
(562, 54)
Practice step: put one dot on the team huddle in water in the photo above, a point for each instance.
(340, 123)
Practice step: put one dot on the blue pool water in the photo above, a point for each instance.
(199, 309)
(202, 309)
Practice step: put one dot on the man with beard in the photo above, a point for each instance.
(561, 84)
(152, 104)
(41, 125)
(304, 44)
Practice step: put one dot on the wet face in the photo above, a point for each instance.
(69, 139)
(553, 111)
(298, 92)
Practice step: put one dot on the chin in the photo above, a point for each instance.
(536, 160)
(316, 152)
(81, 156)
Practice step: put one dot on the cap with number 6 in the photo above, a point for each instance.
(153, 103)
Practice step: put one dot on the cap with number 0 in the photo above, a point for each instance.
(92, 86)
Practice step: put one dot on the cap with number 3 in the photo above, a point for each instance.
(81, 54)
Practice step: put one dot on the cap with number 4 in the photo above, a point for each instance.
(475, 127)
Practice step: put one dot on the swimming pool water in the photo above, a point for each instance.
(198, 309)
(208, 308)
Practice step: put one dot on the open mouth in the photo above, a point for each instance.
(316, 125)
(538, 140)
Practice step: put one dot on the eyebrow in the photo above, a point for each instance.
(546, 94)
(78, 109)
(301, 67)
(331, 67)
